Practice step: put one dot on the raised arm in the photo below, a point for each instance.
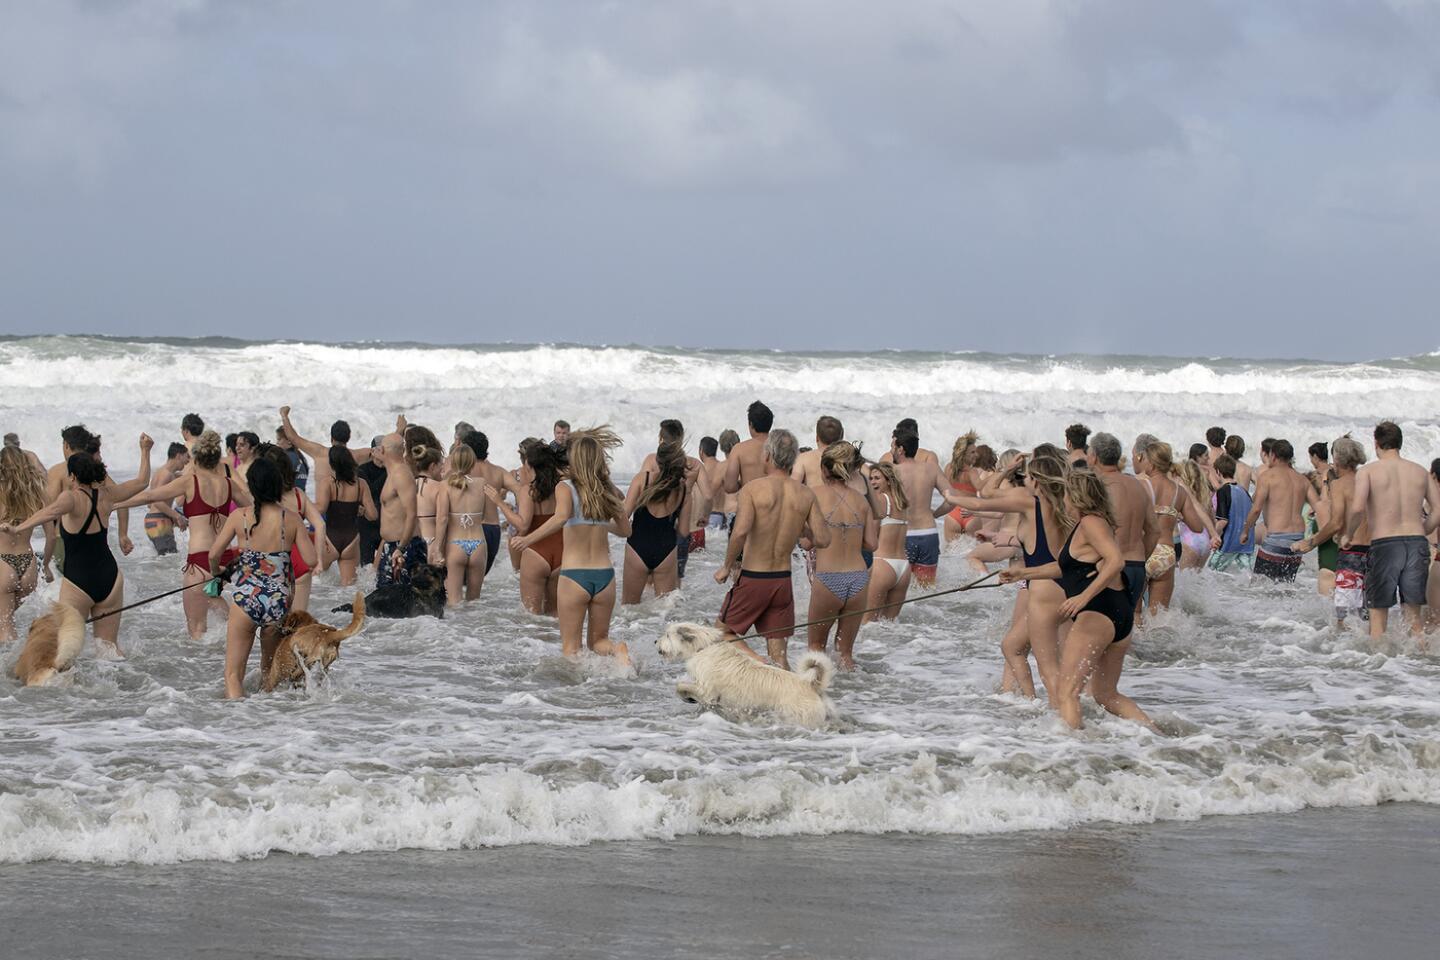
(129, 488)
(316, 450)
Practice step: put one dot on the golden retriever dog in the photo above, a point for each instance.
(306, 642)
(722, 676)
(54, 642)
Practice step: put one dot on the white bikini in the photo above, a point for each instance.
(898, 565)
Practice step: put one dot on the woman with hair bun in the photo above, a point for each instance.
(209, 494)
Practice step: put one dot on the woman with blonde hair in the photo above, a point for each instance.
(588, 511)
(890, 571)
(461, 546)
(999, 543)
(842, 580)
(1155, 464)
(22, 492)
(655, 505)
(1194, 543)
(1040, 502)
(962, 474)
(1090, 571)
(208, 494)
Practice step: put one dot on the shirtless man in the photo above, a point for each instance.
(1077, 448)
(920, 479)
(908, 425)
(162, 518)
(1353, 563)
(401, 551)
(711, 502)
(1280, 493)
(191, 426)
(774, 510)
(729, 499)
(807, 465)
(746, 461)
(320, 454)
(499, 478)
(1135, 528)
(1400, 501)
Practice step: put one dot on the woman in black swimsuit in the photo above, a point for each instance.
(1090, 569)
(92, 582)
(655, 505)
(343, 500)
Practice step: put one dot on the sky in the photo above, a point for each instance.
(1251, 178)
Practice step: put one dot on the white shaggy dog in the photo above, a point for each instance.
(724, 676)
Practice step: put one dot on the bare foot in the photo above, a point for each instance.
(621, 653)
(847, 663)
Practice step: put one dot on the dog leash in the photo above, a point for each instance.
(972, 585)
(158, 596)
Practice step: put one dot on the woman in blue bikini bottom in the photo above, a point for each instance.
(842, 580)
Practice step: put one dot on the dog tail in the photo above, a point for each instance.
(357, 620)
(815, 667)
(70, 634)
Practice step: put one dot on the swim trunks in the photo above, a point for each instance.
(1328, 553)
(1397, 565)
(492, 543)
(1225, 559)
(1276, 559)
(1351, 567)
(764, 601)
(1134, 581)
(697, 539)
(922, 549)
(161, 533)
(398, 562)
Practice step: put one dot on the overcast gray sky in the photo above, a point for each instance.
(1127, 176)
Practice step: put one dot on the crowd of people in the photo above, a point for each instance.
(1094, 548)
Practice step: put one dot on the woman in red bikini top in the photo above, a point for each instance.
(209, 494)
(535, 504)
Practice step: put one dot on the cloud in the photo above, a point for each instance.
(70, 70)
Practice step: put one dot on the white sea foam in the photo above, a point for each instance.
(473, 732)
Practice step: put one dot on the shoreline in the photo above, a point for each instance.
(1313, 884)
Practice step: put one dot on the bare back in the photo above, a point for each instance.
(749, 458)
(1282, 492)
(780, 508)
(1131, 503)
(919, 479)
(1395, 492)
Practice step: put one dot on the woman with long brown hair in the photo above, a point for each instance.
(655, 505)
(22, 492)
(535, 503)
(588, 511)
(1156, 466)
(962, 474)
(890, 572)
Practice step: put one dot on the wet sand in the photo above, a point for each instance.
(1317, 884)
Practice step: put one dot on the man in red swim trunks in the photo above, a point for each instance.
(773, 511)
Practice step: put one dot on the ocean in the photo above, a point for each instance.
(473, 732)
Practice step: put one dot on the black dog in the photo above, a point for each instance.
(423, 597)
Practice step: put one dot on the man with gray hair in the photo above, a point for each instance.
(1135, 528)
(1353, 563)
(773, 511)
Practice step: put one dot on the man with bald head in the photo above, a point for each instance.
(401, 551)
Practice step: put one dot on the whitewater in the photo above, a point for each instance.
(473, 731)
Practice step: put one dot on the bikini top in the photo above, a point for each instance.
(197, 507)
(889, 521)
(577, 516)
(1041, 555)
(419, 489)
(1170, 510)
(859, 522)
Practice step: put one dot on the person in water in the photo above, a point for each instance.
(262, 578)
(92, 582)
(588, 511)
(1400, 501)
(22, 493)
(162, 520)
